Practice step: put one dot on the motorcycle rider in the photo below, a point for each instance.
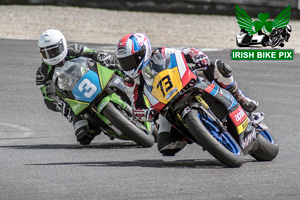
(280, 35)
(54, 52)
(134, 53)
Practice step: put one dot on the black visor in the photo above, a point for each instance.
(133, 61)
(128, 63)
(53, 50)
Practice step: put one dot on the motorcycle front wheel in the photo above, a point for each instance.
(119, 119)
(220, 145)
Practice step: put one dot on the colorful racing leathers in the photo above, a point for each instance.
(45, 75)
(170, 140)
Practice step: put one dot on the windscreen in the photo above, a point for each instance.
(156, 64)
(71, 73)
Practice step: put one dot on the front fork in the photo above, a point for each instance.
(201, 105)
(113, 97)
(183, 108)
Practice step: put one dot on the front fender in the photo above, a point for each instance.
(113, 98)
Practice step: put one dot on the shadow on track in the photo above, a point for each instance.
(110, 145)
(209, 164)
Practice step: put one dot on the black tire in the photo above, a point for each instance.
(136, 134)
(155, 133)
(266, 151)
(208, 142)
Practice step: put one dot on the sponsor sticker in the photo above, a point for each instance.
(238, 116)
(248, 139)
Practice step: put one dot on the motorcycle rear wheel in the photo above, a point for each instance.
(234, 158)
(138, 135)
(267, 149)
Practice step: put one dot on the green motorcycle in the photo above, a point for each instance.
(98, 94)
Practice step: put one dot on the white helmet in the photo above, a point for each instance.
(53, 46)
(133, 53)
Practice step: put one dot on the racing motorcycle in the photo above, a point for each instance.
(206, 113)
(280, 35)
(98, 94)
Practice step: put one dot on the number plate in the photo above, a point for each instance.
(166, 85)
(87, 88)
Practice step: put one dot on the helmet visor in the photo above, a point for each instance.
(132, 61)
(129, 62)
(52, 51)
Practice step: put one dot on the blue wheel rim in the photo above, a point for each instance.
(266, 135)
(222, 138)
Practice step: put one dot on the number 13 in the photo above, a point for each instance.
(168, 84)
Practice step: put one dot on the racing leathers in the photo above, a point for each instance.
(84, 131)
(169, 140)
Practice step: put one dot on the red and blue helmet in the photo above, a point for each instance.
(133, 53)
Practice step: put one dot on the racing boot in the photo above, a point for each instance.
(84, 131)
(247, 104)
(169, 143)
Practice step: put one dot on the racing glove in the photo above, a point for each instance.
(116, 68)
(200, 59)
(64, 108)
(104, 58)
(50, 88)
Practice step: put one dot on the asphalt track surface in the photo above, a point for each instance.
(40, 158)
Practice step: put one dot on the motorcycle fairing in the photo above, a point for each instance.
(110, 98)
(77, 106)
(104, 75)
(84, 92)
(167, 83)
(239, 118)
(222, 95)
(178, 60)
(117, 82)
(87, 88)
(236, 112)
(156, 105)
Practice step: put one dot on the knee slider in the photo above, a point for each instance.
(83, 135)
(80, 128)
(223, 68)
